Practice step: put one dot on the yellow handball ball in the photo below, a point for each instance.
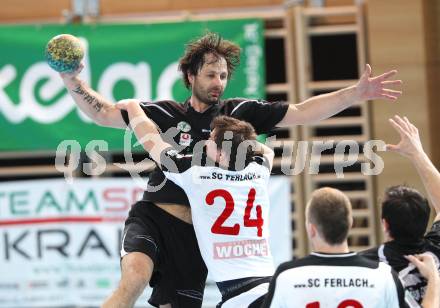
(64, 53)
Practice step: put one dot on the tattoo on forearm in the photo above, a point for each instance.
(98, 106)
(93, 101)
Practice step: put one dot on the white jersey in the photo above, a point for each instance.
(331, 280)
(230, 213)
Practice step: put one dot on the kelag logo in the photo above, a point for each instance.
(30, 107)
(121, 61)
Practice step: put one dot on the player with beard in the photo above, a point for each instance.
(227, 185)
(160, 247)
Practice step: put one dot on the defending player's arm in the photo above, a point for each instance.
(323, 106)
(145, 129)
(94, 105)
(410, 146)
(426, 265)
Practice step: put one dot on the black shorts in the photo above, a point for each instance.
(179, 273)
(233, 288)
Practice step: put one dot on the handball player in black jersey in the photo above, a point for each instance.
(159, 242)
(405, 214)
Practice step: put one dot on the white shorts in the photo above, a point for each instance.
(246, 298)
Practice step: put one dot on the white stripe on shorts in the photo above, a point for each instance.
(246, 298)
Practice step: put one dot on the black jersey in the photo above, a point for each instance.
(393, 253)
(335, 280)
(191, 126)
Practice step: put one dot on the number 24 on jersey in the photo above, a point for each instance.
(218, 226)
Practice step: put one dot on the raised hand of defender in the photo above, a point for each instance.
(425, 264)
(410, 143)
(369, 88)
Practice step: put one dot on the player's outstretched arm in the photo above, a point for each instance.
(94, 105)
(426, 265)
(324, 106)
(410, 146)
(144, 128)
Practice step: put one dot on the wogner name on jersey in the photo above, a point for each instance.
(338, 283)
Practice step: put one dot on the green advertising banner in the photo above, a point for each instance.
(121, 61)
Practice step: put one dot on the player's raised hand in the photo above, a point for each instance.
(369, 87)
(425, 263)
(409, 144)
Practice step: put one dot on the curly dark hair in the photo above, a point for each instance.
(211, 43)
